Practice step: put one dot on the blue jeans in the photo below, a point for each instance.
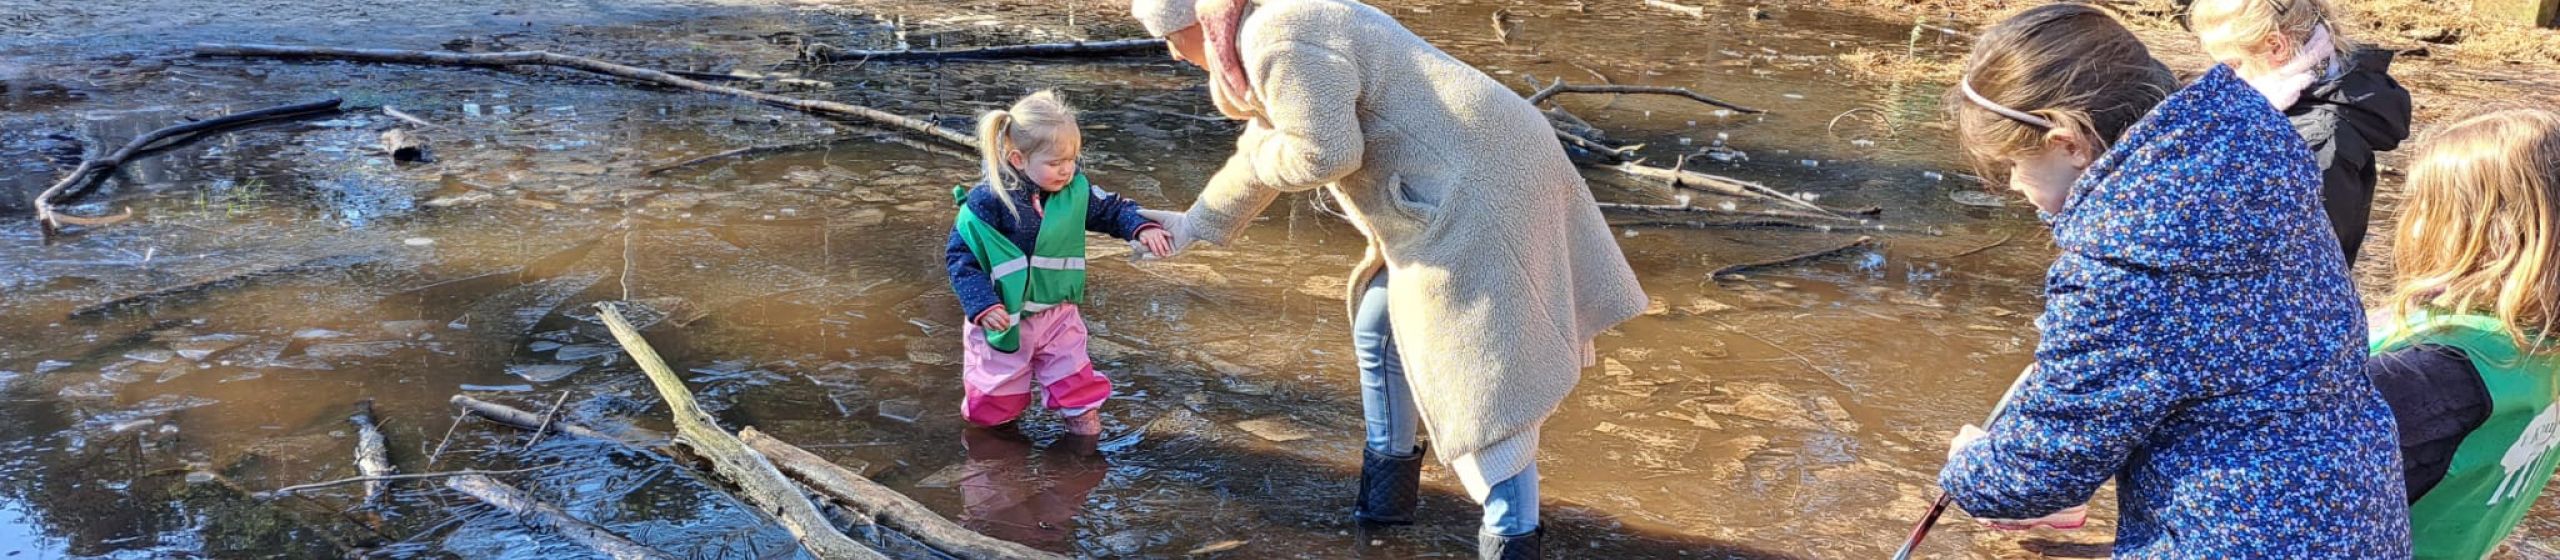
(1393, 422)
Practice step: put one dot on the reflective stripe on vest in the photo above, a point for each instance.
(1050, 274)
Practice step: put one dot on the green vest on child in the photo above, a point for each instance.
(1053, 272)
(2499, 469)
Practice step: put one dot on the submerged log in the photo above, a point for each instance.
(405, 147)
(1726, 186)
(372, 459)
(885, 506)
(542, 58)
(760, 482)
(520, 418)
(1125, 47)
(534, 512)
(90, 172)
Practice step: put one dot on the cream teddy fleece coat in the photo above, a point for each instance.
(1502, 268)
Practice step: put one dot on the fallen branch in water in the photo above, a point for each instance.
(1561, 88)
(520, 418)
(1726, 186)
(885, 506)
(534, 512)
(405, 147)
(372, 458)
(1740, 218)
(1861, 241)
(756, 477)
(1502, 25)
(1124, 47)
(299, 488)
(90, 172)
(541, 58)
(1693, 11)
(411, 119)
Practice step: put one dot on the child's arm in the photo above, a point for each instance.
(1115, 215)
(977, 291)
(2102, 384)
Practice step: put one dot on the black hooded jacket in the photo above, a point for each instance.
(2346, 119)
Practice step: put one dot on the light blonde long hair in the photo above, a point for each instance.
(2248, 24)
(2480, 232)
(1035, 124)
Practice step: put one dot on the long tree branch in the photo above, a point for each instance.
(1124, 47)
(544, 58)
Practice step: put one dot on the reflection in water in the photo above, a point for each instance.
(1013, 491)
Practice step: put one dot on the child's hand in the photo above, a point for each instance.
(1157, 241)
(995, 320)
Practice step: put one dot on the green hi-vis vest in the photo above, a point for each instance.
(1052, 274)
(2501, 468)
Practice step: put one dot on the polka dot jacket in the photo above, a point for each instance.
(2203, 346)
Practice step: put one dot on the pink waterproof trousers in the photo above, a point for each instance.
(997, 385)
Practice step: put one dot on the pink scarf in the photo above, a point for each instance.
(1222, 25)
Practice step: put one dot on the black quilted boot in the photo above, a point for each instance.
(1389, 487)
(1524, 547)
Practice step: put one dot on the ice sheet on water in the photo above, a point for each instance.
(151, 408)
(152, 355)
(902, 410)
(93, 389)
(1278, 429)
(583, 352)
(120, 372)
(317, 334)
(49, 366)
(352, 350)
(201, 347)
(544, 373)
(496, 388)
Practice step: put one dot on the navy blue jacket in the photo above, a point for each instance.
(2202, 345)
(1106, 213)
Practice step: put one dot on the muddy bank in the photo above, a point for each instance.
(1797, 411)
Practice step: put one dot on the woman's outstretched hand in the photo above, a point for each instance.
(1168, 241)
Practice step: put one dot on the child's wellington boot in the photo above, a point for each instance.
(1389, 487)
(1088, 424)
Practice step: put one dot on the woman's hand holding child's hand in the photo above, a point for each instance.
(1157, 241)
(994, 319)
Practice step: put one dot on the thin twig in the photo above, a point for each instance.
(1562, 88)
(1861, 241)
(438, 454)
(290, 490)
(2004, 240)
(547, 417)
(1123, 47)
(395, 113)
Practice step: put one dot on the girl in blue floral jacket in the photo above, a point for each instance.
(2202, 343)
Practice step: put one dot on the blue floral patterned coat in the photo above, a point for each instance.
(2202, 345)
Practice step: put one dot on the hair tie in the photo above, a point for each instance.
(2013, 114)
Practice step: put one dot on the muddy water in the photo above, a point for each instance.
(1797, 411)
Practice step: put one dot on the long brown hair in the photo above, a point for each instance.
(2071, 64)
(2480, 231)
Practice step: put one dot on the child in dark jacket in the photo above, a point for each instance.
(2201, 340)
(2346, 108)
(2469, 339)
(1016, 259)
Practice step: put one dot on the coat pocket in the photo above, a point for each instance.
(1420, 202)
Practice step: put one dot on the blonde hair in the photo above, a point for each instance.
(2248, 24)
(2073, 65)
(2480, 231)
(1038, 123)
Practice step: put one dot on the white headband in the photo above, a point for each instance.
(2003, 110)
